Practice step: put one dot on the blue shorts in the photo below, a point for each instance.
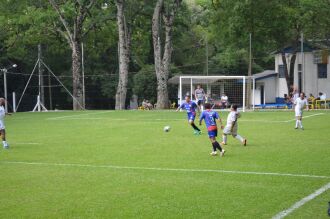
(191, 116)
(212, 134)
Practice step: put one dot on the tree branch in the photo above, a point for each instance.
(65, 24)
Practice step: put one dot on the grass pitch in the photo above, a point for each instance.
(107, 164)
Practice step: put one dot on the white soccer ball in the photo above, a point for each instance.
(167, 128)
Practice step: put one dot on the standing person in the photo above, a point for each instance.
(211, 117)
(224, 101)
(300, 104)
(200, 96)
(232, 126)
(2, 123)
(190, 107)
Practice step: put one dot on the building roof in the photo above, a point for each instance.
(308, 46)
(265, 74)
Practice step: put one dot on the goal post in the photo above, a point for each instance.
(234, 87)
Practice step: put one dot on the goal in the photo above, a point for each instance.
(238, 89)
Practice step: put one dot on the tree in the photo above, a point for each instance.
(163, 60)
(74, 35)
(124, 46)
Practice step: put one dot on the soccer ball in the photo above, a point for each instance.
(167, 128)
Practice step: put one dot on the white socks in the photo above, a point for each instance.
(238, 137)
(4, 143)
(224, 138)
(299, 123)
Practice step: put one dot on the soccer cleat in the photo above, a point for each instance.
(6, 146)
(222, 153)
(302, 128)
(213, 153)
(295, 127)
(244, 142)
(223, 143)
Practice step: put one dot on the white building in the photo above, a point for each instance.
(311, 71)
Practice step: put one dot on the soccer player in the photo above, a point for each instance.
(300, 103)
(232, 126)
(200, 96)
(190, 107)
(2, 123)
(210, 117)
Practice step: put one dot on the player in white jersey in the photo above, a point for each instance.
(300, 103)
(232, 126)
(2, 123)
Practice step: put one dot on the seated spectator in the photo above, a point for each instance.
(224, 101)
(149, 105)
(321, 96)
(311, 99)
(144, 104)
(286, 99)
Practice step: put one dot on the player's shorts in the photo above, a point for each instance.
(200, 102)
(2, 125)
(227, 131)
(298, 112)
(191, 116)
(212, 131)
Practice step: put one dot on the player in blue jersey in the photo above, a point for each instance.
(190, 107)
(211, 117)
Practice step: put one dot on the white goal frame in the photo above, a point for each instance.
(245, 79)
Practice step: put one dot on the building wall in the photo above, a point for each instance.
(310, 81)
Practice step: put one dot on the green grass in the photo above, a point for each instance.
(96, 141)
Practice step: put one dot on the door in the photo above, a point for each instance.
(262, 94)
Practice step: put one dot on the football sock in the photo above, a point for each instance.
(217, 145)
(297, 122)
(214, 147)
(4, 143)
(195, 127)
(224, 138)
(300, 124)
(239, 138)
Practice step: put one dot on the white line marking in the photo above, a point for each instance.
(72, 116)
(30, 143)
(303, 201)
(166, 169)
(304, 117)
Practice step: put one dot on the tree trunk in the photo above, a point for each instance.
(123, 51)
(77, 77)
(162, 61)
(289, 73)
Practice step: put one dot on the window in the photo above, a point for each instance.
(299, 67)
(281, 73)
(322, 71)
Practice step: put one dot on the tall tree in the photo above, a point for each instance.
(124, 47)
(163, 60)
(74, 33)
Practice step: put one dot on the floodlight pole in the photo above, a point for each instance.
(5, 86)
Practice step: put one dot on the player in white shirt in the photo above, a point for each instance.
(200, 97)
(232, 126)
(2, 123)
(300, 103)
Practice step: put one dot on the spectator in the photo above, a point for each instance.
(224, 101)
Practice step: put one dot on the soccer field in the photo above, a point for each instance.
(109, 164)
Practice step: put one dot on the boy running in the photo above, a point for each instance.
(210, 118)
(300, 103)
(232, 126)
(2, 123)
(190, 107)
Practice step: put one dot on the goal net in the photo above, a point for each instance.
(239, 90)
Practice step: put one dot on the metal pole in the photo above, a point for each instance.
(302, 63)
(254, 87)
(5, 87)
(50, 92)
(83, 72)
(180, 92)
(14, 102)
(249, 71)
(244, 94)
